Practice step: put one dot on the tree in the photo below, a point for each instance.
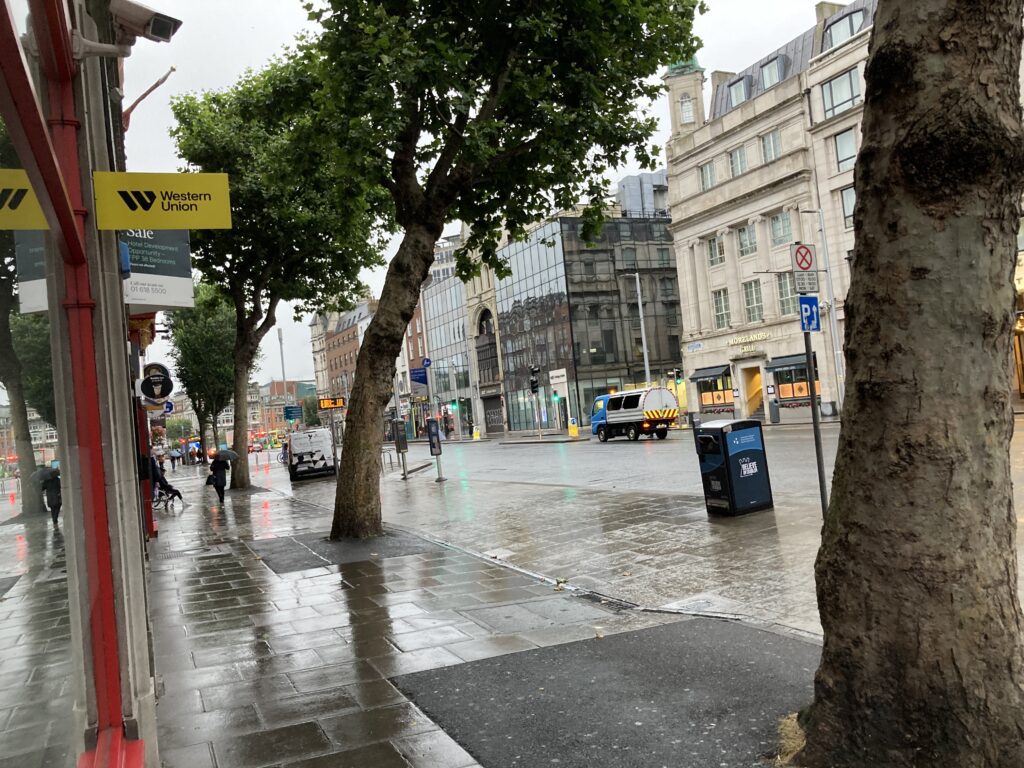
(31, 337)
(495, 114)
(11, 369)
(178, 429)
(923, 663)
(199, 337)
(310, 411)
(299, 232)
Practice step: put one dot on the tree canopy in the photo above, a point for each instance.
(31, 337)
(199, 337)
(495, 113)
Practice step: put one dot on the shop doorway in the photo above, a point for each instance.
(753, 393)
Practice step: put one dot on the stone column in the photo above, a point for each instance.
(732, 279)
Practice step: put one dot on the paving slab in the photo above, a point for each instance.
(288, 554)
(701, 693)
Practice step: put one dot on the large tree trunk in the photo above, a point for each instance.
(357, 503)
(240, 441)
(923, 662)
(31, 495)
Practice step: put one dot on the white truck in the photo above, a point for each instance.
(310, 452)
(633, 413)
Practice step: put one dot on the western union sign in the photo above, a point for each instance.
(162, 200)
(19, 206)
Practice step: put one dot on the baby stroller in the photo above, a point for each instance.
(163, 492)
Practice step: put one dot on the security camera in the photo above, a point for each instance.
(136, 20)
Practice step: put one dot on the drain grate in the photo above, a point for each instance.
(171, 555)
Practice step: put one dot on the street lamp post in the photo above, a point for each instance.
(643, 330)
(833, 327)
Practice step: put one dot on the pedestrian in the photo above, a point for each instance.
(191, 455)
(51, 487)
(218, 473)
(174, 461)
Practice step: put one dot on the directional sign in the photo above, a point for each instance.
(169, 407)
(426, 362)
(805, 267)
(293, 412)
(810, 317)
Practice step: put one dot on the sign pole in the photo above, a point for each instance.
(812, 374)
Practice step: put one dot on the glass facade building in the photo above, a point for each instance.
(572, 307)
(444, 307)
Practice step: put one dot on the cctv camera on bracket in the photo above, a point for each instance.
(136, 20)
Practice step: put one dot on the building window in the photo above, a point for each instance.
(753, 305)
(841, 93)
(720, 298)
(664, 257)
(788, 299)
(738, 161)
(746, 239)
(686, 109)
(771, 146)
(588, 269)
(715, 392)
(671, 315)
(849, 198)
(707, 176)
(846, 149)
(737, 92)
(792, 384)
(716, 251)
(629, 258)
(782, 229)
(625, 231)
(842, 30)
(667, 286)
(771, 73)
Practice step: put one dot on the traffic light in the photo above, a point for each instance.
(534, 382)
(455, 405)
(679, 376)
(555, 396)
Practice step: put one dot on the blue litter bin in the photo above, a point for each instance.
(733, 467)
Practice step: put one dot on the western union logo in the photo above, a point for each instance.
(162, 200)
(19, 206)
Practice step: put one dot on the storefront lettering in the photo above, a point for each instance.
(749, 339)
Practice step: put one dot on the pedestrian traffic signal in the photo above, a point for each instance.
(679, 376)
(455, 405)
(555, 397)
(534, 382)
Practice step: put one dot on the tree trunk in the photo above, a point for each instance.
(240, 442)
(357, 511)
(216, 434)
(202, 439)
(31, 495)
(923, 662)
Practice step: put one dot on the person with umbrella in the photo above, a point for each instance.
(49, 481)
(175, 455)
(218, 471)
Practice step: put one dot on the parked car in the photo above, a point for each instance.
(255, 447)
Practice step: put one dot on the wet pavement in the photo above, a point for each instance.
(264, 661)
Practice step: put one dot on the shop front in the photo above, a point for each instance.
(791, 387)
(715, 390)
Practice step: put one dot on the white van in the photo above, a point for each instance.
(310, 452)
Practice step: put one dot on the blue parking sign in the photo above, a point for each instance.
(810, 317)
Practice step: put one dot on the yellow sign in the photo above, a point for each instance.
(19, 206)
(162, 200)
(326, 403)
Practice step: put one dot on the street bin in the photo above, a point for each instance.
(774, 416)
(733, 466)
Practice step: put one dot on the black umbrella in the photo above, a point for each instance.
(43, 474)
(227, 454)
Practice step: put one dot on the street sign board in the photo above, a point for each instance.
(162, 200)
(169, 406)
(418, 382)
(805, 267)
(293, 412)
(327, 403)
(426, 362)
(810, 317)
(156, 384)
(434, 437)
(19, 206)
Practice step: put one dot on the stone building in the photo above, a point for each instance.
(748, 175)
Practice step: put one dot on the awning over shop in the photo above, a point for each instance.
(789, 361)
(713, 372)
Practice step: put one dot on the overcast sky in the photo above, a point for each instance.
(220, 39)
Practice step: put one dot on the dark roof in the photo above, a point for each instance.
(710, 373)
(795, 56)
